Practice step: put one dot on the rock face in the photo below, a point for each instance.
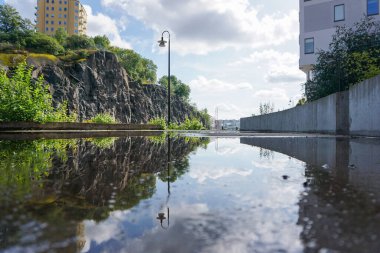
(100, 85)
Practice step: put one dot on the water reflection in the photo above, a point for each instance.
(52, 186)
(339, 210)
(179, 194)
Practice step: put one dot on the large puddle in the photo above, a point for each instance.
(231, 195)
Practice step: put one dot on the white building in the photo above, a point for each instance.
(318, 20)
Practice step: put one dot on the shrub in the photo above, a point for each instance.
(103, 118)
(25, 99)
(158, 122)
(188, 124)
(42, 43)
(75, 42)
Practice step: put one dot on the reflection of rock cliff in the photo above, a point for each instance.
(119, 176)
(100, 85)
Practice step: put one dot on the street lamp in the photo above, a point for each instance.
(162, 43)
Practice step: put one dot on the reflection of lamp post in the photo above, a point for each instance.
(162, 43)
(161, 216)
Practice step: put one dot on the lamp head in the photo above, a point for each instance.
(162, 42)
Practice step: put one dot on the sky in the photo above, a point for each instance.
(233, 54)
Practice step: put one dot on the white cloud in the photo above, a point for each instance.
(203, 26)
(270, 95)
(279, 67)
(24, 7)
(214, 85)
(100, 24)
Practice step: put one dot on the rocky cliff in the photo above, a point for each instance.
(99, 84)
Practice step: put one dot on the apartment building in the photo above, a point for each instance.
(67, 14)
(319, 19)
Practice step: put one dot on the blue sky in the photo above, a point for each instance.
(233, 54)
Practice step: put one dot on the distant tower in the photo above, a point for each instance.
(67, 14)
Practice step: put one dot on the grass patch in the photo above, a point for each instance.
(103, 118)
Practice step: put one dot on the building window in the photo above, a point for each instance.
(52, 8)
(65, 9)
(59, 15)
(76, 31)
(47, 1)
(339, 12)
(60, 2)
(76, 24)
(47, 15)
(65, 2)
(47, 8)
(52, 29)
(60, 22)
(64, 22)
(47, 28)
(372, 7)
(52, 22)
(47, 22)
(309, 46)
(52, 15)
(65, 16)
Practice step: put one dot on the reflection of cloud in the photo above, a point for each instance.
(201, 174)
(103, 231)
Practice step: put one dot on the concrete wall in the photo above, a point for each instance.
(355, 112)
(365, 108)
(316, 117)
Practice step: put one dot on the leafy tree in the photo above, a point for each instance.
(61, 36)
(177, 87)
(139, 69)
(13, 28)
(42, 43)
(353, 56)
(266, 108)
(102, 42)
(75, 42)
(11, 21)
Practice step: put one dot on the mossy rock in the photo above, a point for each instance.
(11, 60)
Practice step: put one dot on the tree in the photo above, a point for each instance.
(42, 43)
(139, 69)
(75, 42)
(102, 42)
(61, 36)
(177, 87)
(10, 20)
(353, 56)
(266, 108)
(13, 28)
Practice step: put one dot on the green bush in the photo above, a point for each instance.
(42, 43)
(188, 124)
(75, 42)
(103, 118)
(158, 122)
(25, 99)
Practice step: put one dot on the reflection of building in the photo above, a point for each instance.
(69, 15)
(318, 20)
(339, 207)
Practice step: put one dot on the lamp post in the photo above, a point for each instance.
(162, 43)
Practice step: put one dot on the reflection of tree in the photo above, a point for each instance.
(266, 153)
(25, 163)
(80, 180)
